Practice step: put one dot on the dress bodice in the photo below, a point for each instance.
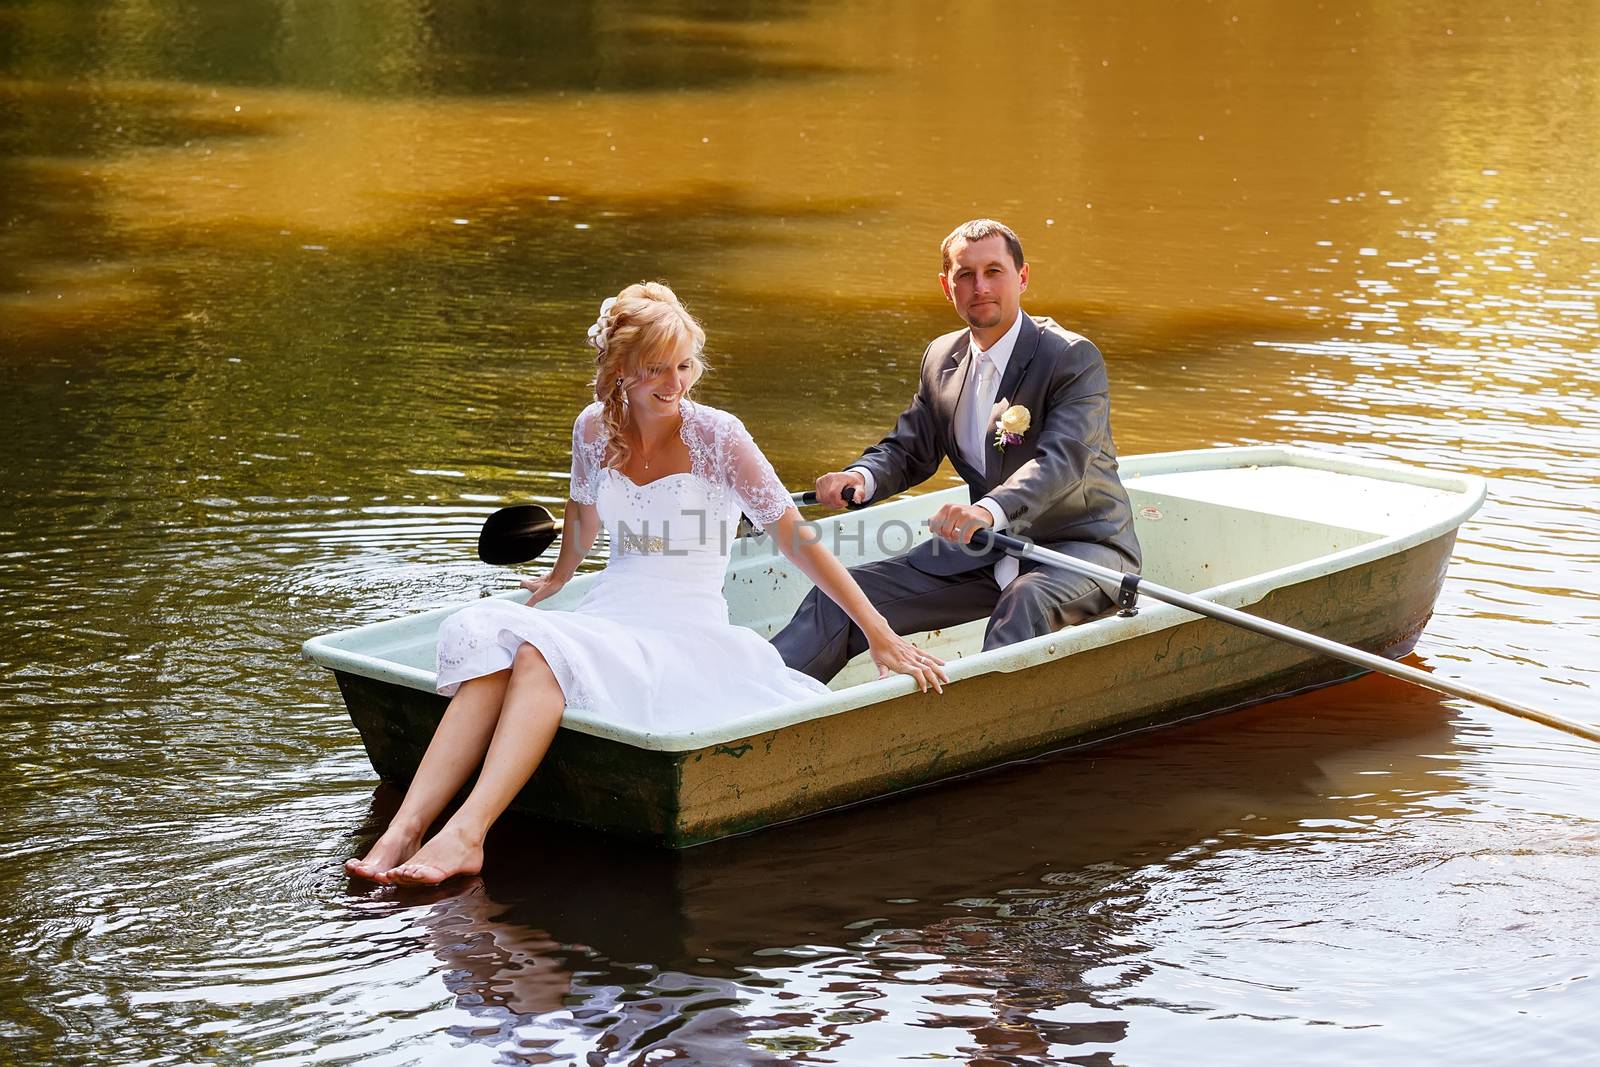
(682, 525)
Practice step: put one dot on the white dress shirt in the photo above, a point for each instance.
(974, 434)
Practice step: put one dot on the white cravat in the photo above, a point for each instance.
(976, 405)
(978, 433)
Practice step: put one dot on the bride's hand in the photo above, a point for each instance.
(895, 655)
(542, 587)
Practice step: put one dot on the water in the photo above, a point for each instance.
(291, 297)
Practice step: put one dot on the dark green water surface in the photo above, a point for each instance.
(291, 296)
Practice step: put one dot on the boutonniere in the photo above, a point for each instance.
(1012, 424)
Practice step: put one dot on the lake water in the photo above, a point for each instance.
(291, 296)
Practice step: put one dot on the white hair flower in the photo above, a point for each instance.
(597, 332)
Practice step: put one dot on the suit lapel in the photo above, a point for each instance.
(952, 384)
(1021, 355)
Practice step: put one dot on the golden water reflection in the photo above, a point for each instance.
(1155, 192)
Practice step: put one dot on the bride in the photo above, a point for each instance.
(650, 644)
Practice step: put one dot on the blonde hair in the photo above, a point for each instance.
(644, 326)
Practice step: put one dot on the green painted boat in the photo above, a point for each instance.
(1350, 549)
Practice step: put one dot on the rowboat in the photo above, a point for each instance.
(1350, 549)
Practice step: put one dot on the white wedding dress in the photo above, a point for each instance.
(650, 645)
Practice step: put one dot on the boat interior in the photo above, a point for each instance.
(1198, 530)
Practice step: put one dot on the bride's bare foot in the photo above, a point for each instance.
(395, 845)
(448, 854)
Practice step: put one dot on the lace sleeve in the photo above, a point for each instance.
(588, 454)
(748, 474)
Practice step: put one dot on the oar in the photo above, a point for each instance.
(808, 499)
(516, 534)
(522, 532)
(1129, 586)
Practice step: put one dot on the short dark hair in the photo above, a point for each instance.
(977, 230)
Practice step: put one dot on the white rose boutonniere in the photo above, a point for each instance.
(1011, 425)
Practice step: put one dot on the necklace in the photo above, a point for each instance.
(644, 455)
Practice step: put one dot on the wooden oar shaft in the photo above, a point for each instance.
(1267, 628)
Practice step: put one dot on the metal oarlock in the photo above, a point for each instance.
(1128, 596)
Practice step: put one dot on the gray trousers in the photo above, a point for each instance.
(821, 639)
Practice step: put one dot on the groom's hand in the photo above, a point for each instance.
(830, 487)
(958, 522)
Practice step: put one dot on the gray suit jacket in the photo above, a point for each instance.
(1059, 487)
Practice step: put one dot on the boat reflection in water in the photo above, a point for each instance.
(1041, 893)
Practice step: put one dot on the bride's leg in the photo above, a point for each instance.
(458, 744)
(529, 719)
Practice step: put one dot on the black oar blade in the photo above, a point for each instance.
(516, 534)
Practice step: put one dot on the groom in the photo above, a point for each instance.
(1049, 472)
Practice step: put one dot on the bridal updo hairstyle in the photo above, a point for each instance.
(644, 326)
